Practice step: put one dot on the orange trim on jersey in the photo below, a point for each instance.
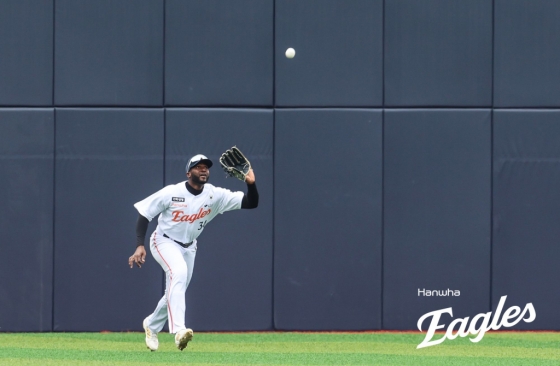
(170, 283)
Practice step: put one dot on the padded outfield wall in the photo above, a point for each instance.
(408, 146)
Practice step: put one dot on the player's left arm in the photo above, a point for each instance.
(228, 200)
(250, 178)
(251, 198)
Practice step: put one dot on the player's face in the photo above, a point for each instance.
(200, 174)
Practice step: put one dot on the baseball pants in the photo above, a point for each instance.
(178, 264)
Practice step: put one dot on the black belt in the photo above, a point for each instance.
(184, 245)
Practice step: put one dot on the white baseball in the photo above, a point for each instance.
(290, 53)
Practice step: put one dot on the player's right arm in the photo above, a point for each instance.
(139, 255)
(138, 258)
(148, 208)
(153, 205)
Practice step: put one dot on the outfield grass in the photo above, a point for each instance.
(276, 348)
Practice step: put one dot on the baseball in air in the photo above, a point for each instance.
(290, 53)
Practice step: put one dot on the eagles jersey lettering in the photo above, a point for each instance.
(183, 215)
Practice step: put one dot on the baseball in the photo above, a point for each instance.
(290, 53)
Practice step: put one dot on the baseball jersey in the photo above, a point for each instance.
(183, 215)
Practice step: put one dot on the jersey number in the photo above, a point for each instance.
(202, 224)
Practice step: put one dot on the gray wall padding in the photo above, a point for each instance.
(437, 183)
(109, 53)
(527, 53)
(231, 287)
(357, 212)
(338, 60)
(26, 219)
(26, 52)
(327, 219)
(526, 213)
(106, 160)
(218, 52)
(438, 53)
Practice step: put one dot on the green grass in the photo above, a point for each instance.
(276, 348)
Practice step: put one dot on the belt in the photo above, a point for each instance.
(184, 245)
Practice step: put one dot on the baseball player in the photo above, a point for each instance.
(184, 211)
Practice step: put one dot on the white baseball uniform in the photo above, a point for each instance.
(182, 218)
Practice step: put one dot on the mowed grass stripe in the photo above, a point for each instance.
(523, 339)
(113, 358)
(469, 350)
(277, 348)
(193, 357)
(49, 362)
(458, 347)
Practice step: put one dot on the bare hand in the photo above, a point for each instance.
(250, 178)
(139, 257)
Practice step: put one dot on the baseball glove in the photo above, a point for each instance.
(235, 164)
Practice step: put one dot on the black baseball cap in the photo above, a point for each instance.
(197, 159)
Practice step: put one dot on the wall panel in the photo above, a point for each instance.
(338, 60)
(327, 219)
(436, 213)
(108, 53)
(26, 52)
(527, 53)
(232, 281)
(526, 213)
(26, 219)
(106, 160)
(438, 53)
(218, 52)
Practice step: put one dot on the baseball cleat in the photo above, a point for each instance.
(183, 337)
(151, 338)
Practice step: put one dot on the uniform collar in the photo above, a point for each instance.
(194, 192)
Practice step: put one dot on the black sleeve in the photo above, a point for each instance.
(141, 228)
(251, 198)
